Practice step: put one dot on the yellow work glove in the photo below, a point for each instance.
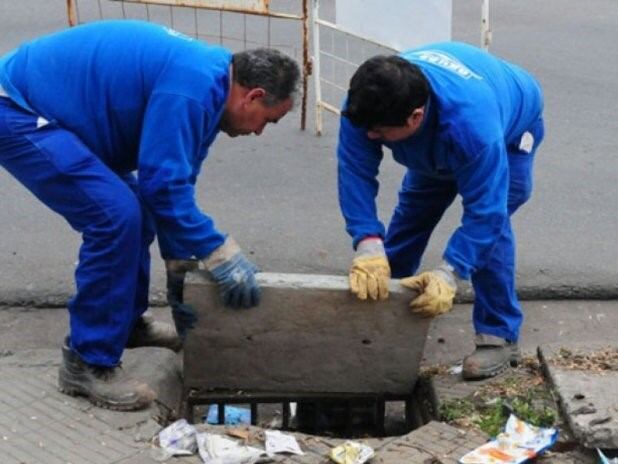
(436, 290)
(370, 272)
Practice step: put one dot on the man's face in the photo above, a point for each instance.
(250, 115)
(397, 133)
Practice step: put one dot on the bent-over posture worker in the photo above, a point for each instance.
(80, 111)
(462, 122)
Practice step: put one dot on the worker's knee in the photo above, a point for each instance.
(119, 219)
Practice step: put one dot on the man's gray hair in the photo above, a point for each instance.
(276, 73)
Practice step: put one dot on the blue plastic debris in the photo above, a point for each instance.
(605, 459)
(233, 415)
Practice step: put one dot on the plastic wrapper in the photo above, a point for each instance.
(518, 443)
(178, 439)
(605, 460)
(351, 452)
(232, 415)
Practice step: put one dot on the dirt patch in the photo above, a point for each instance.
(522, 391)
(602, 360)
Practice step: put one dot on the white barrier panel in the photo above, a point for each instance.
(363, 28)
(397, 24)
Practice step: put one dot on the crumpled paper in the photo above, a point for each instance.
(518, 443)
(277, 442)
(351, 452)
(215, 449)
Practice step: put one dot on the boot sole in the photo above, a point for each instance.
(72, 389)
(513, 361)
(176, 347)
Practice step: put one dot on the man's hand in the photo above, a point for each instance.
(370, 272)
(235, 275)
(436, 291)
(183, 314)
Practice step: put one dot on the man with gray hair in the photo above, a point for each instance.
(82, 111)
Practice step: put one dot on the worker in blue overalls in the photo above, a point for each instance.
(108, 124)
(462, 122)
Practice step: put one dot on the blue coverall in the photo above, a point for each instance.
(86, 108)
(482, 126)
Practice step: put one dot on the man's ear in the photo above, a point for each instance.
(416, 118)
(255, 94)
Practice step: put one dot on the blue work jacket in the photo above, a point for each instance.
(478, 105)
(141, 97)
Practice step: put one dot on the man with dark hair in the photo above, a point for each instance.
(463, 122)
(80, 111)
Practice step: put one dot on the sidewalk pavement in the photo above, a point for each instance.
(38, 424)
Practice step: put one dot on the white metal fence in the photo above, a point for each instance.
(242, 24)
(235, 24)
(338, 52)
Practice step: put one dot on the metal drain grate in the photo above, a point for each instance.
(339, 414)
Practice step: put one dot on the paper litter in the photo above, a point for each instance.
(351, 452)
(215, 449)
(518, 443)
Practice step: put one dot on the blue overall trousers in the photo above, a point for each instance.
(112, 276)
(422, 202)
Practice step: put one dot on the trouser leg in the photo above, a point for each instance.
(422, 203)
(66, 176)
(147, 237)
(496, 308)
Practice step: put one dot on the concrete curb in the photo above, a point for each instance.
(43, 299)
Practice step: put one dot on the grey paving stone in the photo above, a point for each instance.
(41, 425)
(397, 454)
(438, 440)
(588, 399)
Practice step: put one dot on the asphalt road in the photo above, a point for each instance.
(277, 193)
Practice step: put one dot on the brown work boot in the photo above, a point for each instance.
(148, 332)
(107, 387)
(492, 356)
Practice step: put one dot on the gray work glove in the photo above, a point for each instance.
(234, 274)
(183, 314)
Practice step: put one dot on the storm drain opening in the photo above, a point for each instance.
(348, 415)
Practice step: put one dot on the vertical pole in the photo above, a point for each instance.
(306, 65)
(316, 68)
(485, 27)
(71, 13)
(220, 413)
(254, 410)
(286, 416)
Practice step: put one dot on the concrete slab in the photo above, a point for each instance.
(587, 397)
(309, 334)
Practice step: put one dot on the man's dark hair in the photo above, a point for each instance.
(384, 91)
(276, 73)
